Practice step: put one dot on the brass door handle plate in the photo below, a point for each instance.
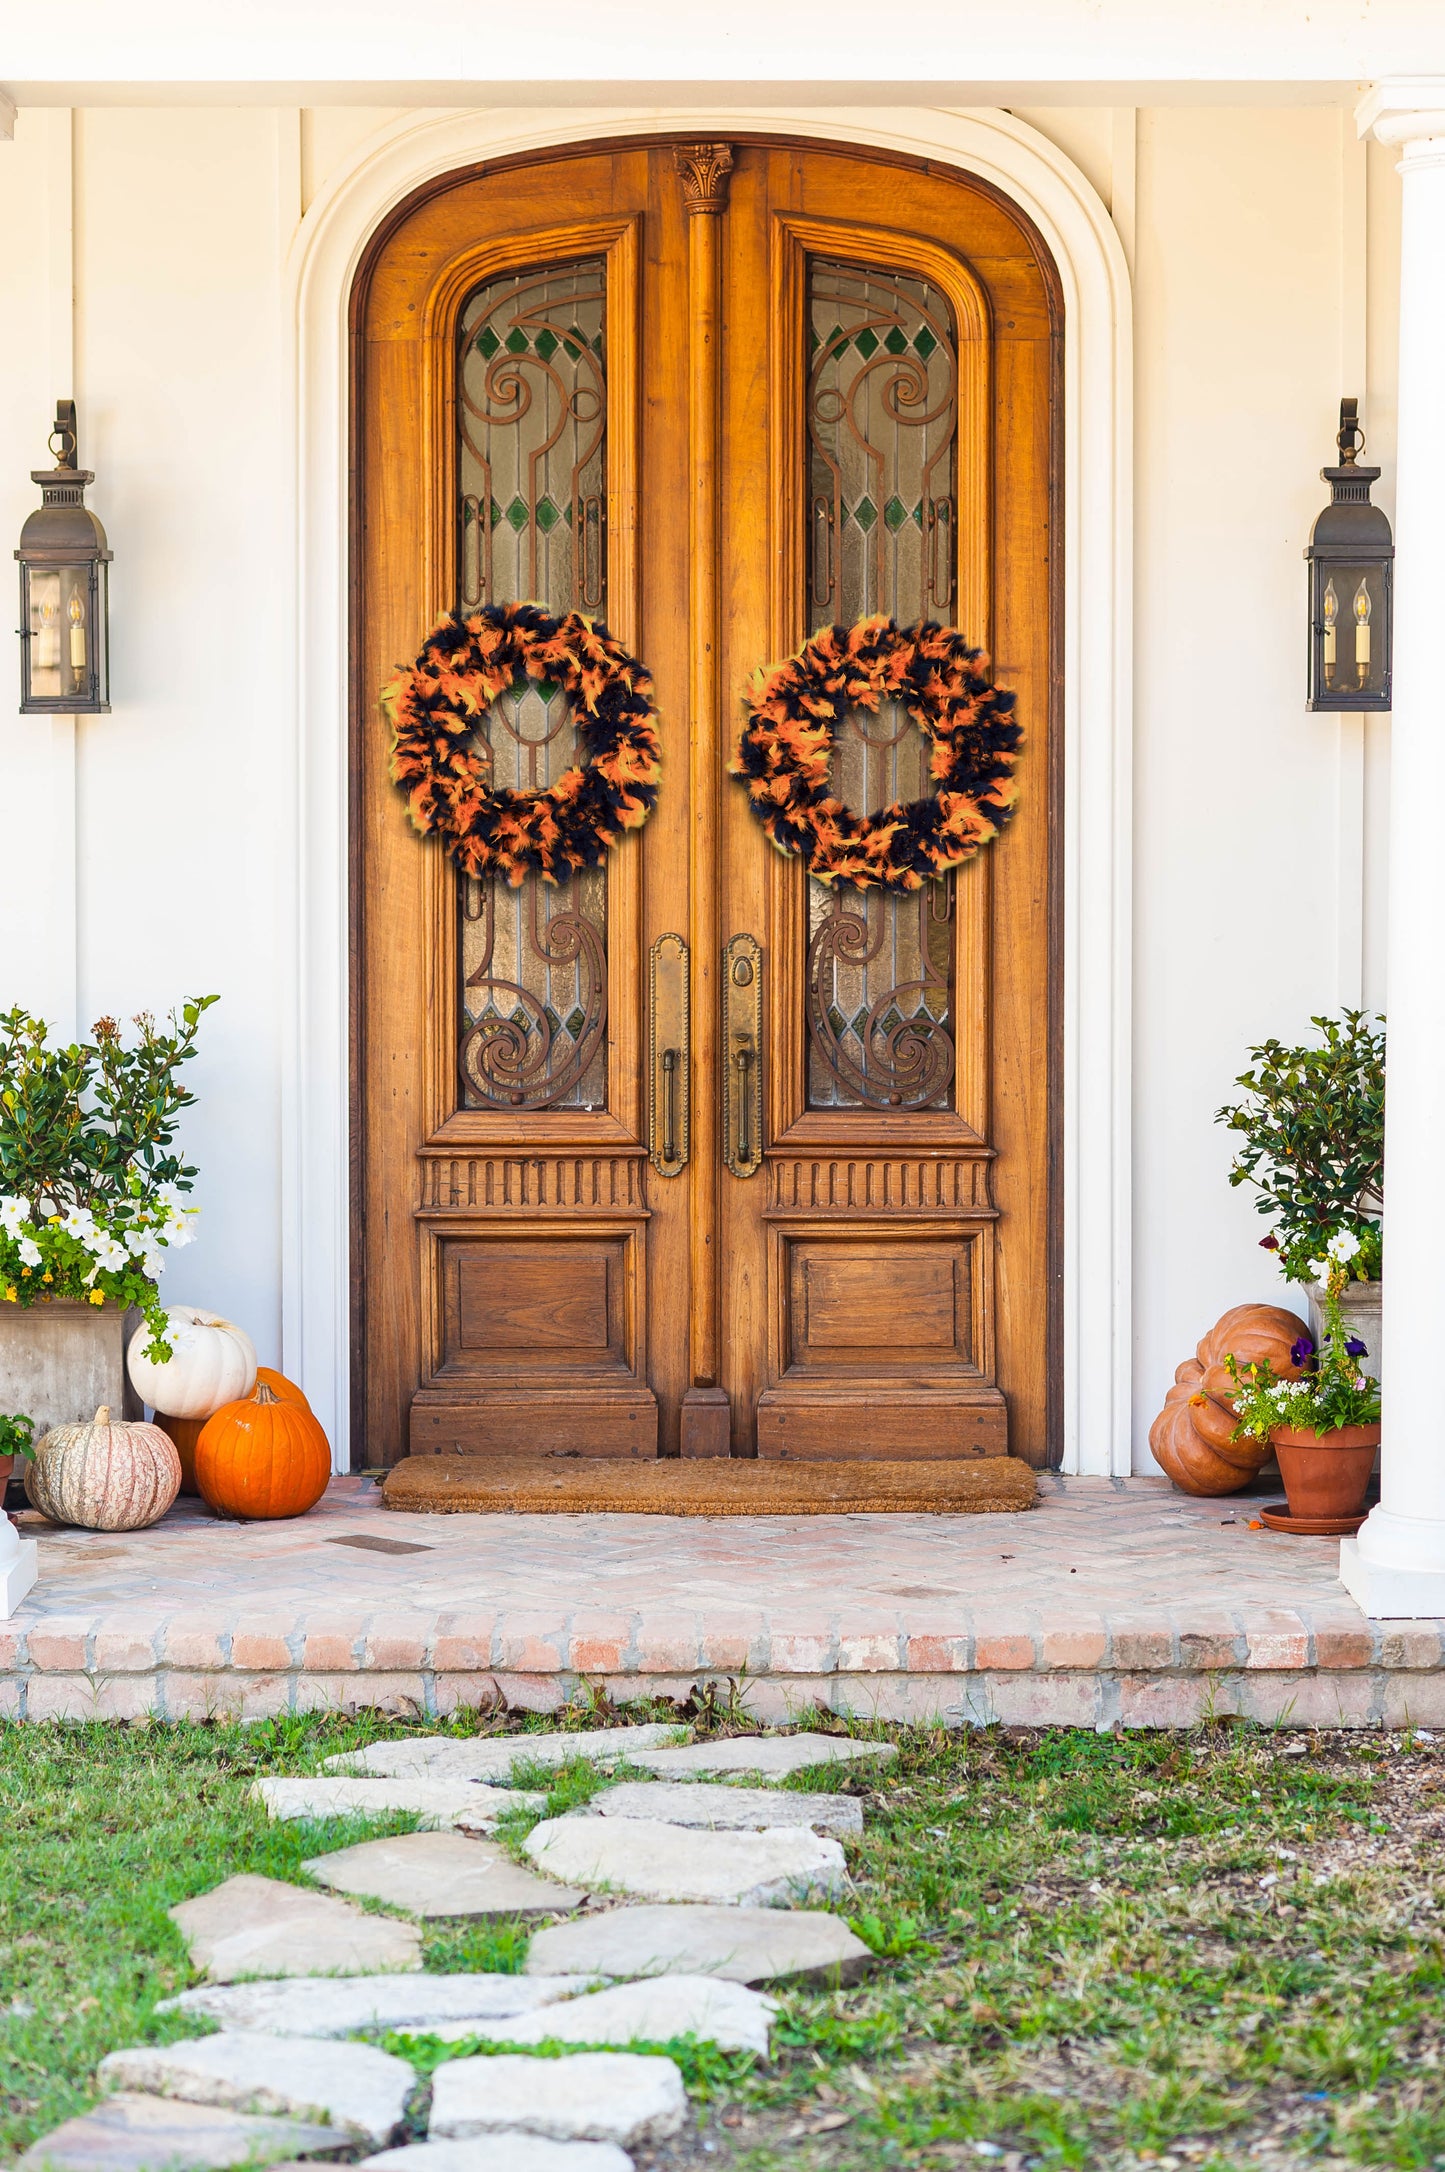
(742, 1049)
(669, 1048)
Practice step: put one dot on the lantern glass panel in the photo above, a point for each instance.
(1352, 629)
(66, 621)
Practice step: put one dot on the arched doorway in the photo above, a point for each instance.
(717, 394)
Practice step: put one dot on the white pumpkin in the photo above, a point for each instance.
(104, 1476)
(212, 1362)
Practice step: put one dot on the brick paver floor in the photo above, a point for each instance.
(1115, 1601)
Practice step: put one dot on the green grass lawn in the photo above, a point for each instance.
(1220, 1950)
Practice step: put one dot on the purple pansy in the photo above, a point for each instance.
(1355, 1348)
(1302, 1351)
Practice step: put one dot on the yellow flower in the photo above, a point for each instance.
(47, 1276)
(97, 1297)
(10, 1293)
(25, 1274)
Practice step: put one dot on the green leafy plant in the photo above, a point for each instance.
(1312, 1122)
(16, 1435)
(92, 1192)
(1332, 1391)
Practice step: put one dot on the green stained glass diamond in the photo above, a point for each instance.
(891, 1017)
(574, 1022)
(837, 1021)
(486, 342)
(865, 512)
(548, 515)
(896, 341)
(517, 515)
(924, 343)
(494, 512)
(895, 512)
(866, 343)
(859, 1022)
(516, 341)
(552, 1019)
(546, 344)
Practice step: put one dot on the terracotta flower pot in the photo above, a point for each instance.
(1326, 1474)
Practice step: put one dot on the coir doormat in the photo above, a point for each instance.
(721, 1486)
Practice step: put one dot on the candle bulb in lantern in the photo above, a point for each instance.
(1332, 612)
(47, 636)
(77, 634)
(1362, 633)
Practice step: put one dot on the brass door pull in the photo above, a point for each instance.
(669, 1104)
(742, 1083)
(669, 1044)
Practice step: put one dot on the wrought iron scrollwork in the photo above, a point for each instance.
(532, 474)
(882, 411)
(514, 1056)
(882, 414)
(529, 364)
(904, 1057)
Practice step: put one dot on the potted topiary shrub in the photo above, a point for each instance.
(1312, 1122)
(17, 1435)
(1324, 1427)
(92, 1201)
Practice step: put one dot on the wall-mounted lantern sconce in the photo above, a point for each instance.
(64, 588)
(1351, 576)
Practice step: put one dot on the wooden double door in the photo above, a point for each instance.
(694, 1154)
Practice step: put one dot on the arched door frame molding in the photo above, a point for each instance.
(1097, 652)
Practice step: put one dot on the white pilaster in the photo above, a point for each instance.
(1395, 1568)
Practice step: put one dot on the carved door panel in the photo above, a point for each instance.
(692, 1154)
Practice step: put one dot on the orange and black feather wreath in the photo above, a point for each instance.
(436, 704)
(793, 713)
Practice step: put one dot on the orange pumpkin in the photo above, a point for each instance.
(284, 1390)
(260, 1457)
(1193, 1435)
(185, 1432)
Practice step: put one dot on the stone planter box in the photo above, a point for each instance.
(60, 1361)
(1360, 1311)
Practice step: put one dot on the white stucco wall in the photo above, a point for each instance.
(149, 863)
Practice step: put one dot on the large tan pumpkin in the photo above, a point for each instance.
(212, 1362)
(105, 1475)
(1192, 1435)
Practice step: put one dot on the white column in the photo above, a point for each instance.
(1395, 1568)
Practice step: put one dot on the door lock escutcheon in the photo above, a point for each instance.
(742, 1055)
(669, 1065)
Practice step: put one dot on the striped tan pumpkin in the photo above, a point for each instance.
(107, 1475)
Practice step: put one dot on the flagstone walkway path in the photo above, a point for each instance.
(1116, 1601)
(293, 2070)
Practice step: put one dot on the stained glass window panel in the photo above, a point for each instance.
(532, 485)
(882, 414)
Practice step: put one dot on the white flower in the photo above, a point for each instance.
(1318, 1270)
(14, 1214)
(171, 1197)
(79, 1222)
(1343, 1245)
(179, 1229)
(29, 1252)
